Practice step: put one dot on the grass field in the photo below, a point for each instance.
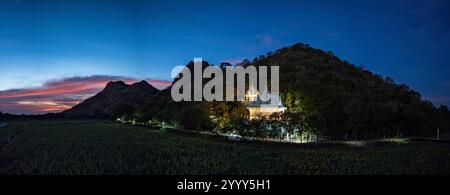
(98, 147)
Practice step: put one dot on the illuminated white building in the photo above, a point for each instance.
(259, 108)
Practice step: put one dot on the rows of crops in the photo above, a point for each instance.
(99, 147)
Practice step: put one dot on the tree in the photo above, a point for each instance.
(194, 117)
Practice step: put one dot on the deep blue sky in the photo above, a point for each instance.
(46, 40)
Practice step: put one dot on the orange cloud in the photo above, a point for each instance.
(59, 95)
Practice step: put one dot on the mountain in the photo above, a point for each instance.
(322, 93)
(340, 98)
(116, 99)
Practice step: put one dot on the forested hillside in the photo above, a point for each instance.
(325, 94)
(340, 98)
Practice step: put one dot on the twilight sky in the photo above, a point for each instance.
(55, 53)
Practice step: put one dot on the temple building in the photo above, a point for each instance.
(259, 108)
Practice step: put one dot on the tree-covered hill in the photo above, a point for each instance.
(341, 99)
(322, 92)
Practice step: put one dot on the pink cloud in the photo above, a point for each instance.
(265, 39)
(264, 42)
(160, 84)
(233, 61)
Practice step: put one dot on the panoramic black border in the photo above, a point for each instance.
(287, 184)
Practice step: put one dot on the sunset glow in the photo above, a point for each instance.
(59, 95)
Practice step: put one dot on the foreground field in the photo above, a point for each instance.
(99, 147)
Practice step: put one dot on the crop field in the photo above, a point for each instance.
(87, 147)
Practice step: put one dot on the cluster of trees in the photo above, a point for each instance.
(347, 101)
(323, 94)
(282, 126)
(8, 117)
